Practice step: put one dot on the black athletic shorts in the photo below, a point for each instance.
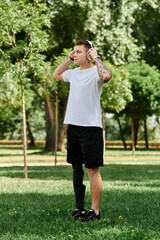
(85, 146)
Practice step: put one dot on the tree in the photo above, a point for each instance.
(46, 86)
(117, 93)
(110, 24)
(22, 41)
(107, 23)
(62, 95)
(146, 31)
(144, 80)
(8, 99)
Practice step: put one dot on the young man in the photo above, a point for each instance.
(83, 116)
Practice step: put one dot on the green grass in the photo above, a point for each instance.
(38, 208)
(14, 154)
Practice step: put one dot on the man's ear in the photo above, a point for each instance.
(88, 58)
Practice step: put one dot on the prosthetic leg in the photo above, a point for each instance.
(79, 187)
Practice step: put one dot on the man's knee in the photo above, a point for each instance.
(92, 171)
(77, 168)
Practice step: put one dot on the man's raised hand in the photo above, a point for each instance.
(71, 56)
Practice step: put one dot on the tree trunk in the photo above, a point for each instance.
(133, 146)
(50, 124)
(145, 133)
(11, 135)
(121, 132)
(32, 143)
(136, 131)
(56, 126)
(104, 133)
(19, 133)
(62, 132)
(61, 146)
(24, 129)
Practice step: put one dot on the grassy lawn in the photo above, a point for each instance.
(14, 155)
(38, 208)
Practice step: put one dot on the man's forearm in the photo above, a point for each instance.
(103, 72)
(61, 68)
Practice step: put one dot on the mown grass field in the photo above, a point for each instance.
(38, 208)
(13, 155)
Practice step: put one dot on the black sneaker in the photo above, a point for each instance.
(78, 214)
(91, 215)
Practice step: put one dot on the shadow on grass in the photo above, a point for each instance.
(36, 151)
(43, 152)
(11, 148)
(111, 172)
(41, 208)
(40, 153)
(35, 213)
(43, 215)
(118, 172)
(130, 149)
(11, 155)
(19, 147)
(40, 172)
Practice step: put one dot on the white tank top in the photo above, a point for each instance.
(83, 108)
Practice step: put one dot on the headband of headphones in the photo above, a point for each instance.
(90, 43)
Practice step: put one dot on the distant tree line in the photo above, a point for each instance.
(36, 36)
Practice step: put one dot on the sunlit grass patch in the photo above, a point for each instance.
(38, 208)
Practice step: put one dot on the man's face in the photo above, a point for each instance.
(80, 55)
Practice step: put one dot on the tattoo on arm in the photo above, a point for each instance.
(102, 70)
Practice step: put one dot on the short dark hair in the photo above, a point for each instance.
(85, 43)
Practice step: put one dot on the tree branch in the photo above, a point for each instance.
(3, 53)
(7, 32)
(14, 38)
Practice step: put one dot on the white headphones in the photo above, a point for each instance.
(91, 44)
